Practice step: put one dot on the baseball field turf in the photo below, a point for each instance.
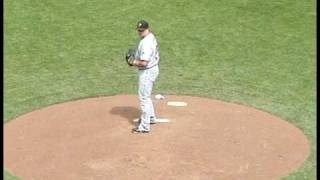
(253, 52)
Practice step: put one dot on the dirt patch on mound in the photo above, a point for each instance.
(207, 139)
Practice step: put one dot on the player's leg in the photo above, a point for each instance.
(145, 88)
(154, 72)
(151, 108)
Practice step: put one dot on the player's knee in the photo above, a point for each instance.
(143, 98)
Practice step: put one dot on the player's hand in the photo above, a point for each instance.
(130, 61)
(130, 56)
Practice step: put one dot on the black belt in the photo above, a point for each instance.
(149, 67)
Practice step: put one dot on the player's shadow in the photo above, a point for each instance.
(128, 112)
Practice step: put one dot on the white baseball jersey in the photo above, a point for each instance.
(148, 50)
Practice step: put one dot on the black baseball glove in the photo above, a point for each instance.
(130, 56)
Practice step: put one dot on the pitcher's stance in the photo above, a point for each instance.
(146, 59)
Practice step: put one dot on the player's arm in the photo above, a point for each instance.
(140, 63)
(137, 62)
(144, 58)
(146, 54)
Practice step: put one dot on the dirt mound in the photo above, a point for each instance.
(207, 139)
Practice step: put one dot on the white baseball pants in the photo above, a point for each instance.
(146, 79)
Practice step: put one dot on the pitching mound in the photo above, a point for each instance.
(91, 139)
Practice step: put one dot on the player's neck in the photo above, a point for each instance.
(147, 33)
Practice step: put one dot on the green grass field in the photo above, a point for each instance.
(253, 52)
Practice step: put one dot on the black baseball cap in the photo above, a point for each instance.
(142, 24)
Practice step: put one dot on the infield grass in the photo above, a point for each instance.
(253, 52)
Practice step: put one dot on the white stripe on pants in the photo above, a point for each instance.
(146, 80)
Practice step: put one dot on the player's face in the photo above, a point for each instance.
(142, 32)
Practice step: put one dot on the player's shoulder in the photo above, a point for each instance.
(148, 39)
(152, 38)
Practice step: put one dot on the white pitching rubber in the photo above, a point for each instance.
(162, 120)
(158, 120)
(176, 103)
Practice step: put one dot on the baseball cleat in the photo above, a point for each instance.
(152, 120)
(136, 131)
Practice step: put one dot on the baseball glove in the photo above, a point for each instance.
(130, 56)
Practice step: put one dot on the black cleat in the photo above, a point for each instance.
(136, 131)
(152, 120)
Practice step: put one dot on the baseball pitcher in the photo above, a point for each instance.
(146, 59)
